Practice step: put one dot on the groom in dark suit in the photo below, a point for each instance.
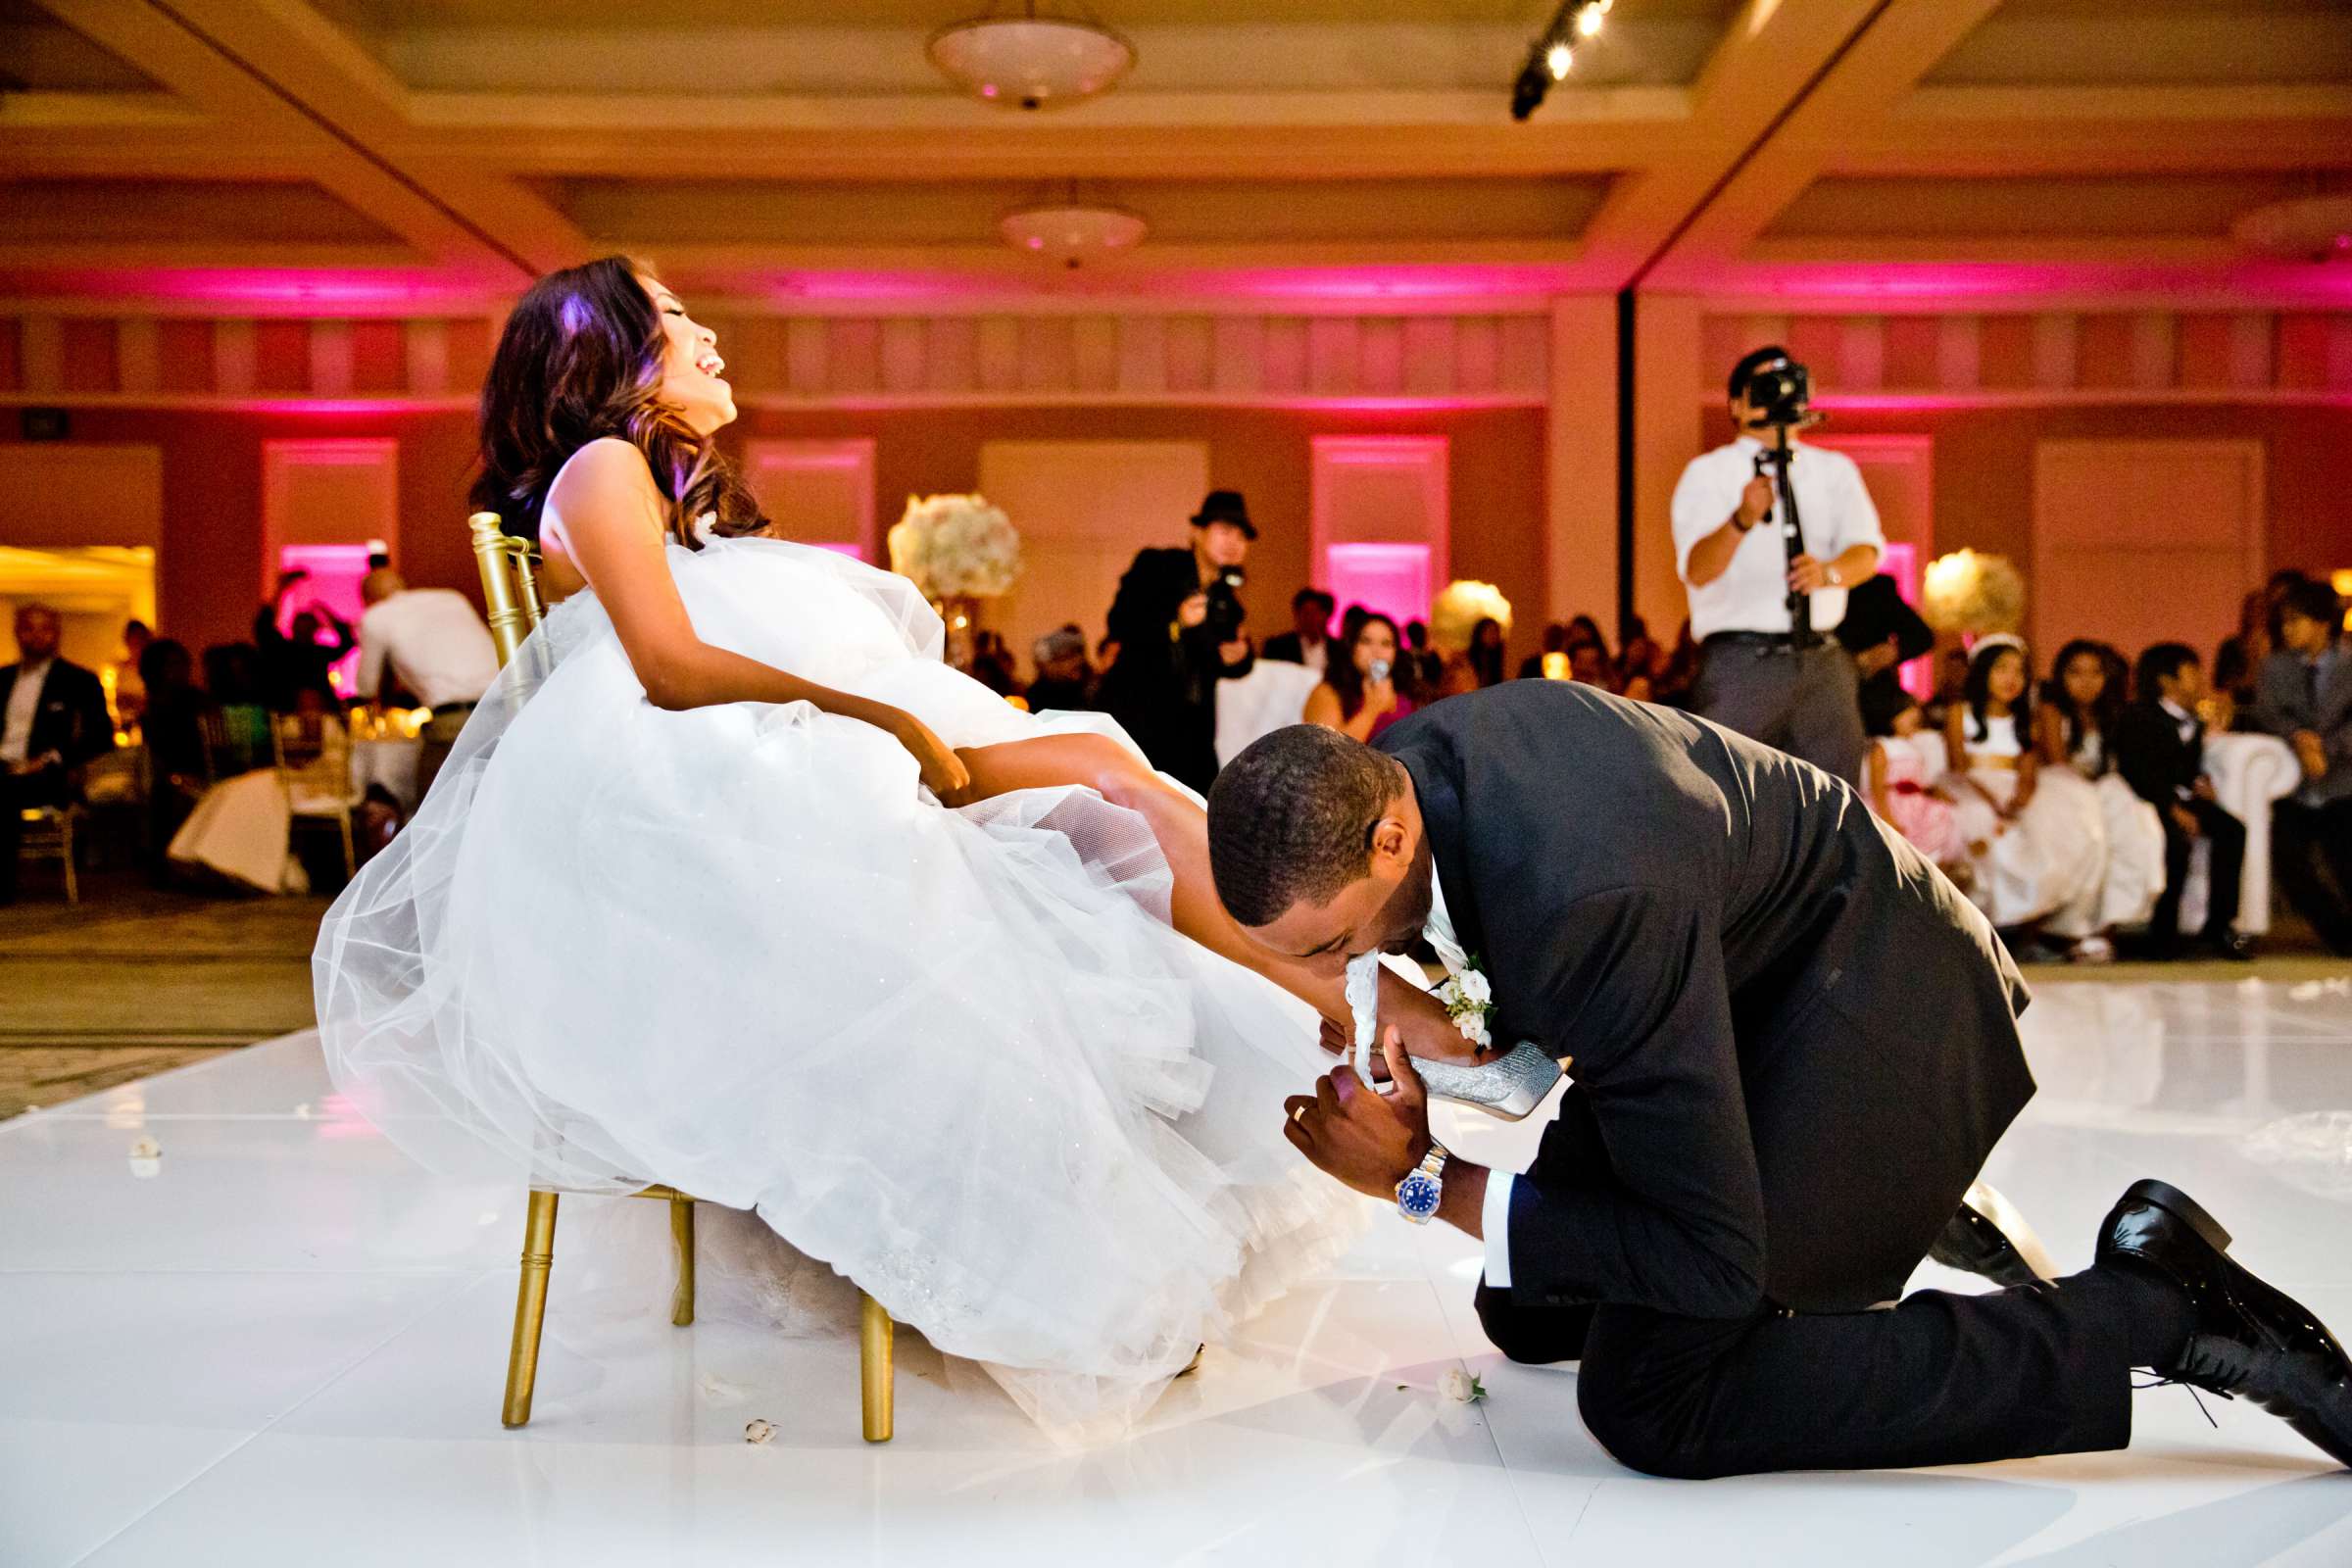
(1793, 1045)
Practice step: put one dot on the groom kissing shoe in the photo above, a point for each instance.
(2249, 1340)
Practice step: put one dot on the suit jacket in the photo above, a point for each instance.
(1288, 647)
(72, 720)
(1794, 1042)
(2285, 701)
(2160, 766)
(1162, 688)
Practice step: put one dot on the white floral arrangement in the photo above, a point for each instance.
(1973, 594)
(1469, 999)
(1460, 607)
(956, 545)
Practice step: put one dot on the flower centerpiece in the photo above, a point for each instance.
(958, 550)
(1460, 607)
(1973, 594)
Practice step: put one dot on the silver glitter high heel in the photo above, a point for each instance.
(1510, 1086)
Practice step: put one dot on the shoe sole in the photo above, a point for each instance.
(2183, 1207)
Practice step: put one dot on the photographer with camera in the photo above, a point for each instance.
(1769, 535)
(1177, 621)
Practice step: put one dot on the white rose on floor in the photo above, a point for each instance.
(759, 1431)
(1457, 1386)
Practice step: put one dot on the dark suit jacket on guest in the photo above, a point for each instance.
(1163, 686)
(2286, 699)
(1288, 647)
(2161, 767)
(1794, 1042)
(72, 720)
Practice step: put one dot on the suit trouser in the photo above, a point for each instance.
(2304, 835)
(1937, 1378)
(1803, 701)
(2225, 872)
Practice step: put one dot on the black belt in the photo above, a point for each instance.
(1760, 639)
(453, 709)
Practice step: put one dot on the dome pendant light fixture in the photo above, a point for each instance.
(1070, 230)
(1032, 55)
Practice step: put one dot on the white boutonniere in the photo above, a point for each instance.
(1469, 1000)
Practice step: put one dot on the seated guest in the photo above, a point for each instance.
(173, 727)
(1428, 667)
(2033, 841)
(2239, 663)
(1364, 691)
(1588, 663)
(53, 720)
(1308, 641)
(1064, 679)
(1951, 680)
(1478, 665)
(2305, 697)
(1554, 644)
(131, 691)
(2160, 750)
(1899, 777)
(429, 640)
(2074, 733)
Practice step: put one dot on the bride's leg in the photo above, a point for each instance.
(1101, 764)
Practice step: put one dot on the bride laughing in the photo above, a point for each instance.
(732, 885)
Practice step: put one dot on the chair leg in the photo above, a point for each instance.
(65, 839)
(874, 1368)
(530, 1306)
(351, 853)
(681, 1231)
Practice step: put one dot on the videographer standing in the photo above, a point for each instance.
(1766, 673)
(1177, 620)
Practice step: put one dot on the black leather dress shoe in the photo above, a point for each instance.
(2250, 1340)
(2235, 945)
(1973, 1244)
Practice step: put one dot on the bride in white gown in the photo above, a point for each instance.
(686, 906)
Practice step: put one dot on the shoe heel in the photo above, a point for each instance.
(2177, 1203)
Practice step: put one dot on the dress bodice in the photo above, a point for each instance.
(1999, 745)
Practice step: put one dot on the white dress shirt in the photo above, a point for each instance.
(1494, 1215)
(24, 707)
(436, 645)
(1752, 595)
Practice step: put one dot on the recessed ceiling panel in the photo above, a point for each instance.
(194, 211)
(38, 53)
(2147, 43)
(876, 47)
(1204, 212)
(2076, 205)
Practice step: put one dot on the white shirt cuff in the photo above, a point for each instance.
(1495, 1223)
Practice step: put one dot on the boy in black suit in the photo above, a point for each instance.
(2160, 750)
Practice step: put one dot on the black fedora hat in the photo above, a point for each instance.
(1226, 506)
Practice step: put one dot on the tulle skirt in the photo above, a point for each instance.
(959, 1056)
(2049, 858)
(2130, 855)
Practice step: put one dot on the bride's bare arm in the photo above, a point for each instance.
(612, 522)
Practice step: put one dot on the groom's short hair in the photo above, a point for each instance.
(1291, 818)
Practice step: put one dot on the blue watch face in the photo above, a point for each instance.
(1417, 1195)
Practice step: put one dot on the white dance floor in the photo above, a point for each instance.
(277, 1343)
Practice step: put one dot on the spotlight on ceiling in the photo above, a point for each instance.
(1550, 57)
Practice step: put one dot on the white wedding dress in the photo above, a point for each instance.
(960, 1056)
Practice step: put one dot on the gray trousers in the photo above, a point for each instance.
(1802, 701)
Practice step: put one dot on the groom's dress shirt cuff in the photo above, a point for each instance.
(1495, 1223)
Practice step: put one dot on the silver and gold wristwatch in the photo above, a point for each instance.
(1418, 1194)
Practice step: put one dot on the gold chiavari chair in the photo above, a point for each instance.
(511, 590)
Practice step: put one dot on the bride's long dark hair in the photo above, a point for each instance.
(583, 357)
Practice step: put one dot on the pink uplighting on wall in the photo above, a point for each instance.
(333, 588)
(1900, 560)
(1393, 579)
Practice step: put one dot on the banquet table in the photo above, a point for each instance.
(390, 762)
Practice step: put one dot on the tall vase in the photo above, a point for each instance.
(961, 615)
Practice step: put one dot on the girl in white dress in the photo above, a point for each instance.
(2032, 837)
(731, 884)
(2072, 725)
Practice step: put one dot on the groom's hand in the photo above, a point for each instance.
(1351, 1132)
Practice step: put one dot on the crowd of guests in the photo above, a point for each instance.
(192, 723)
